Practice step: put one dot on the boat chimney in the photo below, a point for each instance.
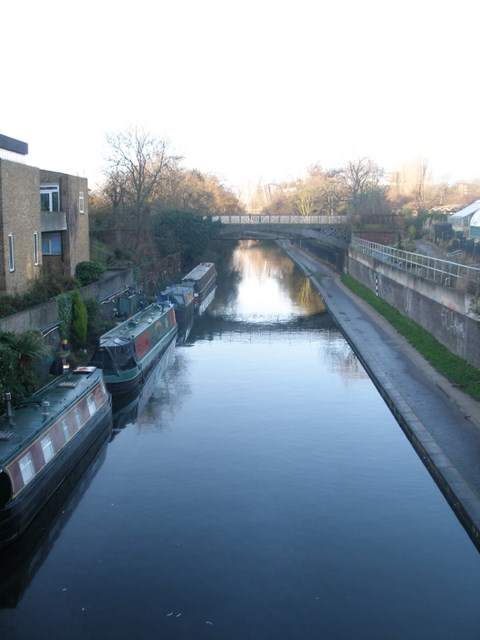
(45, 408)
(64, 354)
(9, 409)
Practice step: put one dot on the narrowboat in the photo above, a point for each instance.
(44, 439)
(181, 296)
(203, 280)
(21, 560)
(128, 353)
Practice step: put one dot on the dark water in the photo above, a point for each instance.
(265, 492)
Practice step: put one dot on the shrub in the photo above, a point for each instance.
(9, 380)
(98, 323)
(78, 330)
(87, 272)
(40, 290)
(18, 356)
(6, 309)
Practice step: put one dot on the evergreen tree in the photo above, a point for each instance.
(79, 321)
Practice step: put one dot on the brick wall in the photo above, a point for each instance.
(76, 238)
(20, 216)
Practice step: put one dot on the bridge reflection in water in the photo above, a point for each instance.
(265, 492)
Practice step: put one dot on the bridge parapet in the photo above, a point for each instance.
(281, 219)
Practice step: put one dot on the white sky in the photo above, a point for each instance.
(248, 89)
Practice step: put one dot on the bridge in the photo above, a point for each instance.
(333, 230)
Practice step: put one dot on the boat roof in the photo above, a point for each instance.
(134, 326)
(28, 420)
(178, 293)
(176, 288)
(199, 271)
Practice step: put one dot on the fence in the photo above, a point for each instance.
(443, 272)
(280, 219)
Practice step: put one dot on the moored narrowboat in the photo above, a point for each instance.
(181, 296)
(203, 280)
(128, 353)
(43, 440)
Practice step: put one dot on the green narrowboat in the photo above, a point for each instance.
(129, 352)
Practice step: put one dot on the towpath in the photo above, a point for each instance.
(441, 421)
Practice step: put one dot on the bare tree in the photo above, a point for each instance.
(360, 177)
(420, 183)
(333, 196)
(331, 190)
(114, 190)
(305, 200)
(137, 164)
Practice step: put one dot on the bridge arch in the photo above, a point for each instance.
(332, 230)
(328, 237)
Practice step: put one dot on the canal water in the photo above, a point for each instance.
(264, 492)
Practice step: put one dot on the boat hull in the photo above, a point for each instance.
(131, 381)
(19, 512)
(203, 279)
(181, 296)
(129, 352)
(206, 301)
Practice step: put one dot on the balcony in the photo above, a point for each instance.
(53, 221)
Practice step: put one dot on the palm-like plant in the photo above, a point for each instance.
(18, 353)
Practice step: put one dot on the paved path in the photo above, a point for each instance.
(429, 249)
(441, 421)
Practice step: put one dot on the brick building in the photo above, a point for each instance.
(43, 220)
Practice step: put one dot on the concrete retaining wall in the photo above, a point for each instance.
(42, 316)
(439, 310)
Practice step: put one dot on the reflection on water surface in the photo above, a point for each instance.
(265, 492)
(270, 288)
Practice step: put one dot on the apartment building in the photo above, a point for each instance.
(43, 220)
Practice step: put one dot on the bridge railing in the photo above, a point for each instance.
(280, 219)
(444, 272)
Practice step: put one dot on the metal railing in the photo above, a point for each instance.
(443, 272)
(280, 219)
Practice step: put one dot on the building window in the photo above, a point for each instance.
(81, 202)
(36, 260)
(52, 244)
(11, 252)
(49, 197)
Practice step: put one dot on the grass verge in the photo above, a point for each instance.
(454, 368)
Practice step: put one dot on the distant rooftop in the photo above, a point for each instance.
(11, 144)
(466, 211)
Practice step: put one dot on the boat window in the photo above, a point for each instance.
(47, 448)
(78, 418)
(27, 468)
(92, 407)
(66, 431)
